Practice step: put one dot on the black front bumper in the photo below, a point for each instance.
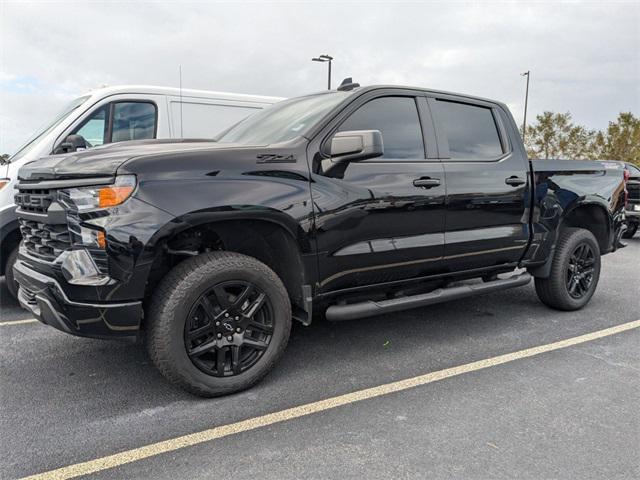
(47, 301)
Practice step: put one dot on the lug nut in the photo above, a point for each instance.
(226, 315)
(217, 324)
(219, 335)
(238, 329)
(237, 318)
(229, 338)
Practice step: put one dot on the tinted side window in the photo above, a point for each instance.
(398, 121)
(470, 129)
(133, 121)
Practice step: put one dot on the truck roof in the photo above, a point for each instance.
(186, 92)
(427, 90)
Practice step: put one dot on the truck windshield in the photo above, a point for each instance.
(283, 121)
(64, 113)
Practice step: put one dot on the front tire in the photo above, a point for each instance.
(218, 323)
(575, 271)
(12, 285)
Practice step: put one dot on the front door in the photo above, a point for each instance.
(383, 220)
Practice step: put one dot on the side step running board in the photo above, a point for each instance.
(369, 308)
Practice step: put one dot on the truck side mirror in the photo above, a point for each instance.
(72, 143)
(352, 146)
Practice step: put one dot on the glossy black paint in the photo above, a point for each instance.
(368, 228)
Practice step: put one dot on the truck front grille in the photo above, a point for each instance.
(48, 228)
(633, 188)
(34, 200)
(44, 241)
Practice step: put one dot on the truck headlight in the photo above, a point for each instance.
(84, 199)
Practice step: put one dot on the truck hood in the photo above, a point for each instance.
(104, 161)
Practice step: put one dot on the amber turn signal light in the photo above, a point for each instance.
(113, 195)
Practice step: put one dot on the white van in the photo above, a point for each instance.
(117, 114)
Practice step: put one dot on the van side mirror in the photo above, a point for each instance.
(72, 143)
(353, 146)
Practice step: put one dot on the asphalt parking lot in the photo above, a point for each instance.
(568, 413)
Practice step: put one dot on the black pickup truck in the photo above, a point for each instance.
(347, 203)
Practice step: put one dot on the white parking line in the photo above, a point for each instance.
(177, 443)
(18, 322)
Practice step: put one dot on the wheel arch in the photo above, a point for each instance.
(578, 215)
(270, 236)
(582, 214)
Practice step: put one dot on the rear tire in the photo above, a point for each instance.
(218, 323)
(12, 285)
(632, 228)
(575, 271)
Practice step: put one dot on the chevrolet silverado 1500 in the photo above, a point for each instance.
(347, 203)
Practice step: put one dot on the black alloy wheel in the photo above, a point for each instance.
(574, 273)
(217, 323)
(580, 270)
(229, 328)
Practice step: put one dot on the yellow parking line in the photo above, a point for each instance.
(18, 322)
(128, 456)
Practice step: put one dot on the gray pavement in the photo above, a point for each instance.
(571, 413)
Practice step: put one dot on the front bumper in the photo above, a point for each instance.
(632, 214)
(46, 300)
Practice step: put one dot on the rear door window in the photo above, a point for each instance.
(470, 130)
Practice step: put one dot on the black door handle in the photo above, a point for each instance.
(426, 182)
(515, 181)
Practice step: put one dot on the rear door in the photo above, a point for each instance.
(383, 219)
(487, 222)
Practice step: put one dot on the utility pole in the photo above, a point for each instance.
(526, 102)
(325, 58)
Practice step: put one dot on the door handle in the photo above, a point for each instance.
(515, 181)
(426, 182)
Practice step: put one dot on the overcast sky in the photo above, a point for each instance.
(584, 57)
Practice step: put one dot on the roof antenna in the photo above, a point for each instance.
(180, 74)
(347, 84)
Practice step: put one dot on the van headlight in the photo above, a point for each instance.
(83, 199)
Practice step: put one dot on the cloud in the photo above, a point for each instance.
(583, 56)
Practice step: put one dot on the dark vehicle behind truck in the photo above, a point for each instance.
(633, 201)
(351, 203)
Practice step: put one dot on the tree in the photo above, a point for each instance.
(622, 139)
(554, 135)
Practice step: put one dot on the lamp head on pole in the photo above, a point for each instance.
(322, 58)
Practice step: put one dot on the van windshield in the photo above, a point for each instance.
(283, 121)
(33, 141)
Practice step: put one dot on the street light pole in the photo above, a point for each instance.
(526, 102)
(325, 58)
